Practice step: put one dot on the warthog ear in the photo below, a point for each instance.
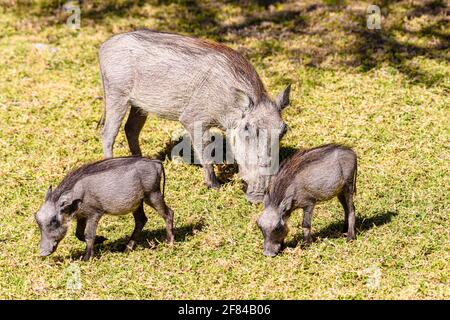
(282, 100)
(286, 205)
(243, 100)
(48, 194)
(67, 204)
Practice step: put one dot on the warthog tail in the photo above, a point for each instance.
(101, 122)
(355, 173)
(164, 180)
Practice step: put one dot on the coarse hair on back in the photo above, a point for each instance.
(193, 47)
(296, 163)
(93, 168)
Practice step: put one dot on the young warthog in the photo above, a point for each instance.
(113, 186)
(307, 177)
(202, 84)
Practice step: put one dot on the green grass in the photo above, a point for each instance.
(385, 93)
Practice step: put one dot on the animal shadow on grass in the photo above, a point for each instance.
(148, 239)
(224, 171)
(334, 230)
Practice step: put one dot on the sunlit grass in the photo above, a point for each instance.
(389, 101)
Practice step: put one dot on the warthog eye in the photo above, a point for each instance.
(246, 127)
(54, 223)
(278, 228)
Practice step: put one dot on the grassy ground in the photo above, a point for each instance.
(383, 92)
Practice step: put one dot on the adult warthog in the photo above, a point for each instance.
(199, 83)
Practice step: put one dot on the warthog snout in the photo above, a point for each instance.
(271, 249)
(47, 248)
(255, 191)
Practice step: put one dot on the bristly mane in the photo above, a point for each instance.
(92, 168)
(291, 166)
(193, 47)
